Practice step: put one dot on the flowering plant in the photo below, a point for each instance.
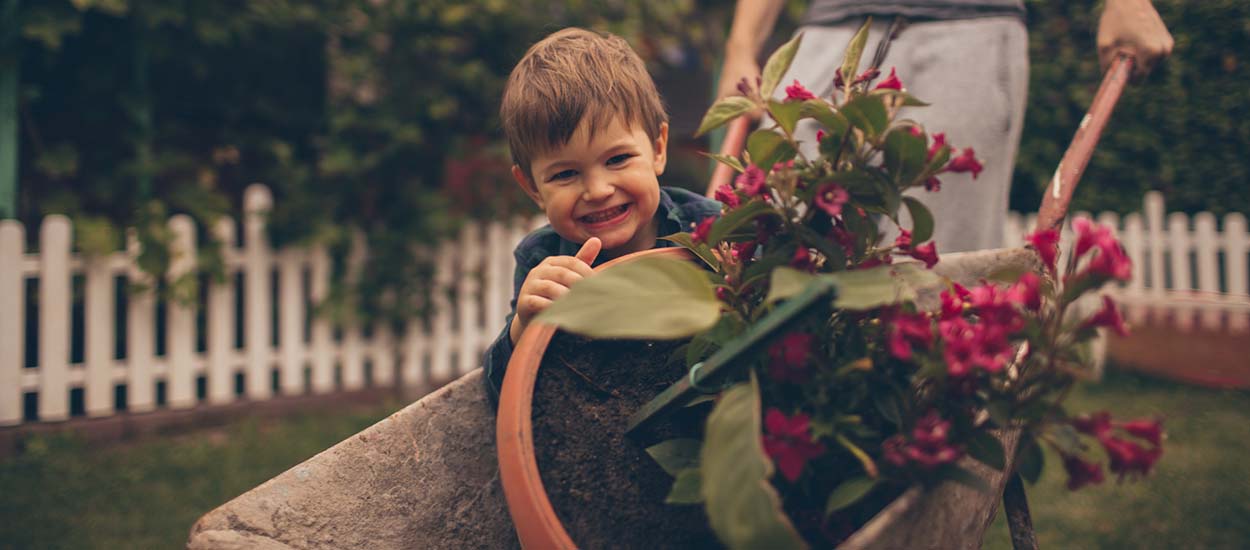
(878, 389)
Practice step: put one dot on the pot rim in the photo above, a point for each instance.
(533, 516)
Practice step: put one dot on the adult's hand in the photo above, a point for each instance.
(1135, 28)
(752, 25)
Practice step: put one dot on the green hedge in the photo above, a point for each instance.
(1183, 131)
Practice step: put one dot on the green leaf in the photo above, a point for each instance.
(848, 493)
(654, 298)
(687, 488)
(676, 455)
(1065, 437)
(786, 113)
(1030, 461)
(988, 449)
(951, 472)
(737, 218)
(826, 116)
(868, 114)
(854, 50)
(888, 404)
(921, 220)
(742, 506)
(879, 286)
(727, 160)
(768, 148)
(904, 156)
(724, 111)
(777, 65)
(787, 282)
(834, 255)
(702, 250)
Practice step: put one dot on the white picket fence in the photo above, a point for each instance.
(1186, 270)
(296, 362)
(1169, 257)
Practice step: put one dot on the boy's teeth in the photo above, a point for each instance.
(605, 214)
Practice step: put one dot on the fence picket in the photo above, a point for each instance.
(140, 332)
(55, 293)
(180, 317)
(257, 304)
(382, 355)
(1134, 246)
(1179, 243)
(353, 354)
(1153, 209)
(322, 344)
(291, 321)
(98, 338)
(219, 346)
(12, 321)
(467, 288)
(1236, 246)
(1208, 265)
(441, 367)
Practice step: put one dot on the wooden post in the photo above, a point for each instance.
(12, 322)
(220, 326)
(180, 320)
(54, 315)
(257, 263)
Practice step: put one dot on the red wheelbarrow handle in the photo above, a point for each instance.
(1059, 193)
(735, 139)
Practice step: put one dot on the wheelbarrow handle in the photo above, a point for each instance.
(735, 139)
(1059, 193)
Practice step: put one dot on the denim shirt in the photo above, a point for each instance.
(678, 211)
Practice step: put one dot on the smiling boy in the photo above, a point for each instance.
(589, 139)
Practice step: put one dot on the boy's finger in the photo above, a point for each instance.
(590, 249)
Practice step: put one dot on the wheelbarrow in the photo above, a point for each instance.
(948, 516)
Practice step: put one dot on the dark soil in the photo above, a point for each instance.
(605, 488)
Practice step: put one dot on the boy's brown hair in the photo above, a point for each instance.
(570, 75)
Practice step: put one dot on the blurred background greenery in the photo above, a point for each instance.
(382, 115)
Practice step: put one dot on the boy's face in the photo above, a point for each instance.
(603, 186)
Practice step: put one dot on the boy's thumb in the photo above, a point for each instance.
(590, 250)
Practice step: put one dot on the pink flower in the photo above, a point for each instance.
(1081, 473)
(751, 181)
(1026, 292)
(796, 92)
(1097, 424)
(890, 83)
(802, 259)
(1046, 242)
(1090, 235)
(830, 198)
(867, 75)
(967, 162)
(926, 253)
(820, 136)
(907, 330)
(722, 294)
(1111, 262)
(903, 240)
(939, 141)
(744, 251)
(892, 450)
(788, 357)
(952, 305)
(933, 185)
(1128, 458)
(1150, 429)
(1108, 316)
(915, 131)
(930, 446)
(788, 441)
(699, 235)
(838, 81)
(726, 195)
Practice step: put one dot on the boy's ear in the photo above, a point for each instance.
(661, 149)
(527, 185)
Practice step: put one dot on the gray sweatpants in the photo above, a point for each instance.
(974, 74)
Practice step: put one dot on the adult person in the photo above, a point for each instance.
(968, 58)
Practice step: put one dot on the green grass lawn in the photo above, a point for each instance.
(147, 495)
(1198, 496)
(61, 494)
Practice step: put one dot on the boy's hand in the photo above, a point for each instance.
(550, 280)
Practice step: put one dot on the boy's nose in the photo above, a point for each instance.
(598, 188)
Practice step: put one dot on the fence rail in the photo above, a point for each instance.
(101, 350)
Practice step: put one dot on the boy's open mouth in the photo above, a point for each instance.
(605, 215)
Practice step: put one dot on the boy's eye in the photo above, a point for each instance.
(562, 175)
(619, 158)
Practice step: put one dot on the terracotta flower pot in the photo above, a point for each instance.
(948, 516)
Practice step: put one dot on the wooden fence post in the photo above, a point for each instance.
(180, 317)
(220, 349)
